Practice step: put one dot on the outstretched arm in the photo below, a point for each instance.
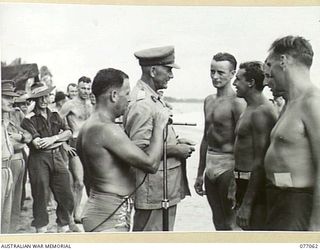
(118, 142)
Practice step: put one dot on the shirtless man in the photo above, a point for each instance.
(292, 161)
(107, 153)
(72, 91)
(222, 111)
(252, 140)
(77, 111)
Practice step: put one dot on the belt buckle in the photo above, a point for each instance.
(242, 175)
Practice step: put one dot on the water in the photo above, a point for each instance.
(193, 213)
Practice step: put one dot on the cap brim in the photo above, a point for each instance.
(173, 65)
(42, 93)
(11, 94)
(21, 99)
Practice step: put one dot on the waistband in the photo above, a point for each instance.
(5, 163)
(242, 175)
(17, 156)
(52, 150)
(212, 152)
(310, 190)
(95, 192)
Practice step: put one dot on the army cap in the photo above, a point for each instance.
(7, 88)
(157, 56)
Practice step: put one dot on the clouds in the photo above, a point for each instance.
(76, 40)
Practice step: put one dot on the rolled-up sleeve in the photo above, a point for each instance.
(27, 124)
(139, 123)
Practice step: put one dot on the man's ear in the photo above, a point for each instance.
(284, 60)
(233, 72)
(153, 71)
(251, 83)
(113, 95)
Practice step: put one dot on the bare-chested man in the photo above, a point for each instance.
(77, 111)
(252, 140)
(107, 153)
(222, 112)
(292, 161)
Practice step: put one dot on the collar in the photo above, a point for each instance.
(147, 88)
(154, 95)
(37, 112)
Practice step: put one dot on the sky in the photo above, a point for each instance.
(76, 40)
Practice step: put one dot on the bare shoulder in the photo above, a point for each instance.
(210, 98)
(311, 98)
(238, 102)
(265, 108)
(68, 105)
(310, 104)
(264, 115)
(208, 101)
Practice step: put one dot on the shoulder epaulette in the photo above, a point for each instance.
(141, 94)
(31, 114)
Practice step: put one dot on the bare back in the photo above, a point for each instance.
(291, 156)
(106, 171)
(221, 116)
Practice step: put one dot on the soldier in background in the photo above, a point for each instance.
(7, 97)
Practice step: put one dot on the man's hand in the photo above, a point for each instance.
(36, 143)
(47, 141)
(184, 151)
(15, 136)
(198, 186)
(186, 141)
(243, 216)
(70, 150)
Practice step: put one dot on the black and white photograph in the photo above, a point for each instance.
(158, 118)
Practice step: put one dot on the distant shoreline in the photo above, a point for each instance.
(191, 100)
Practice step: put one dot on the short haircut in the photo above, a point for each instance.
(226, 57)
(296, 46)
(84, 79)
(71, 85)
(254, 70)
(106, 79)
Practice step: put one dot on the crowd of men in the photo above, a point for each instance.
(259, 166)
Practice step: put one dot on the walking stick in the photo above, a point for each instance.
(165, 201)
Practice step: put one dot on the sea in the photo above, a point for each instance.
(189, 113)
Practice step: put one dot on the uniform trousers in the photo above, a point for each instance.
(48, 170)
(18, 169)
(6, 196)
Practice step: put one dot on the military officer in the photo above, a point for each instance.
(156, 65)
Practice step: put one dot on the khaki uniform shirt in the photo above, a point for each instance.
(138, 123)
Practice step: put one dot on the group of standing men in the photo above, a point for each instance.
(260, 170)
(46, 132)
